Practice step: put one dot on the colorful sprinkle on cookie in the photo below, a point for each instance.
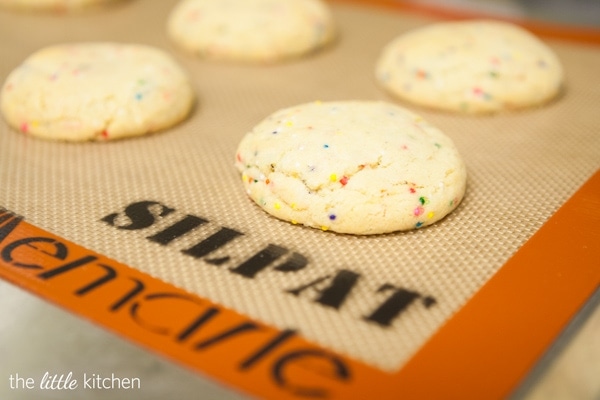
(255, 31)
(95, 91)
(377, 187)
(477, 66)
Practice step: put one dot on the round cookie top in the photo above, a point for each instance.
(351, 167)
(52, 5)
(478, 66)
(95, 91)
(251, 30)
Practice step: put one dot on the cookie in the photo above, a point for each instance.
(96, 91)
(254, 31)
(477, 66)
(52, 5)
(351, 167)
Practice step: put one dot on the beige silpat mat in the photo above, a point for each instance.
(171, 205)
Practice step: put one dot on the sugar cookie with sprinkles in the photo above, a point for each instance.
(52, 5)
(253, 31)
(356, 167)
(473, 66)
(96, 91)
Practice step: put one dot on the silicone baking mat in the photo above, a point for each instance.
(154, 237)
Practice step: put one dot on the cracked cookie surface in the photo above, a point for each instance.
(351, 167)
(96, 91)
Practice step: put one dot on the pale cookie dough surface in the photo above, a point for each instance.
(478, 66)
(251, 30)
(351, 167)
(52, 5)
(96, 91)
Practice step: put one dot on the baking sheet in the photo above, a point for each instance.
(522, 166)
